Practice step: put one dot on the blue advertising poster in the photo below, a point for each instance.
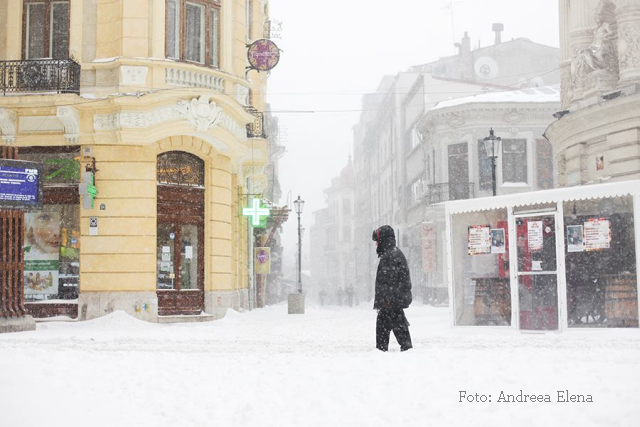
(20, 185)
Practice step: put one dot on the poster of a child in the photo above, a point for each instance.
(42, 253)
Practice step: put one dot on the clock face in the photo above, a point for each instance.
(485, 68)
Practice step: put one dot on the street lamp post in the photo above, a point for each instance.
(491, 144)
(296, 301)
(299, 203)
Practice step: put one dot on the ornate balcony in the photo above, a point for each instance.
(40, 75)
(438, 193)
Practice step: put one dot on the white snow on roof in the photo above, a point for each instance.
(538, 95)
(583, 192)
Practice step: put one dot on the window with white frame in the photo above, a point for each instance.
(414, 138)
(46, 29)
(248, 17)
(514, 160)
(193, 31)
(417, 190)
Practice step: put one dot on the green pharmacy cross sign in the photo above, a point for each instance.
(88, 190)
(256, 212)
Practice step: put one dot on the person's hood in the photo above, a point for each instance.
(385, 237)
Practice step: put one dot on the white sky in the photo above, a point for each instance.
(334, 51)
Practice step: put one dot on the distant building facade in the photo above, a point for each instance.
(457, 166)
(334, 265)
(394, 161)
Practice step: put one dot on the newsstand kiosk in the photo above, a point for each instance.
(547, 260)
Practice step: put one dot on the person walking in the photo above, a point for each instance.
(350, 293)
(392, 291)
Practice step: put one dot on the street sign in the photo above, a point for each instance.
(263, 55)
(20, 185)
(262, 260)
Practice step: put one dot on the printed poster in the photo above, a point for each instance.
(479, 239)
(597, 234)
(535, 236)
(41, 253)
(428, 232)
(575, 241)
(497, 241)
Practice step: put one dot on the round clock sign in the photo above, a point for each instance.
(263, 55)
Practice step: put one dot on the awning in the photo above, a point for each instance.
(583, 192)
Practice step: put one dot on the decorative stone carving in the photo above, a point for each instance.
(629, 45)
(242, 95)
(70, 119)
(133, 76)
(601, 55)
(135, 119)
(566, 96)
(182, 110)
(512, 117)
(456, 120)
(200, 112)
(8, 121)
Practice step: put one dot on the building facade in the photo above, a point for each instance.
(152, 101)
(596, 138)
(457, 166)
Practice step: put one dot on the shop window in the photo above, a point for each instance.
(514, 160)
(180, 168)
(45, 26)
(52, 253)
(52, 235)
(481, 286)
(193, 31)
(600, 263)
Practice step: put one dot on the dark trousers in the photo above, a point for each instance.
(392, 320)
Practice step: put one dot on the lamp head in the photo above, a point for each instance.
(491, 144)
(299, 203)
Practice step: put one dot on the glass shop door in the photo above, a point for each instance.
(537, 272)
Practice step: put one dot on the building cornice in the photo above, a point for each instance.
(594, 121)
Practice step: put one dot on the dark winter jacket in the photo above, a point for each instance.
(393, 282)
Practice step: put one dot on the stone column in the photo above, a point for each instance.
(13, 317)
(628, 16)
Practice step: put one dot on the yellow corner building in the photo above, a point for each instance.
(151, 103)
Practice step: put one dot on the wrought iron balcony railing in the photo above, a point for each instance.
(40, 75)
(438, 193)
(256, 129)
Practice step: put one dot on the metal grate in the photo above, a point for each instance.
(40, 75)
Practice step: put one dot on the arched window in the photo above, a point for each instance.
(180, 168)
(193, 31)
(45, 29)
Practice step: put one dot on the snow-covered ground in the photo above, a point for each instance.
(268, 368)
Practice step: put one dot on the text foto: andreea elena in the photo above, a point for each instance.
(561, 396)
